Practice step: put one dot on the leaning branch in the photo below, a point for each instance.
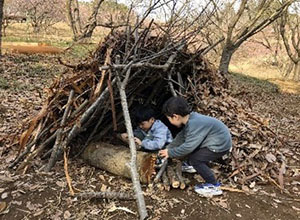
(133, 169)
(57, 145)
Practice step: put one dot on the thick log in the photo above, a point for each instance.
(166, 181)
(179, 175)
(116, 159)
(172, 177)
(161, 171)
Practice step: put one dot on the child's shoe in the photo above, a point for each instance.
(187, 168)
(208, 189)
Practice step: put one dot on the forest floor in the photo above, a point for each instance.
(39, 195)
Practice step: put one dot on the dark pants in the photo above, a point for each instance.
(200, 158)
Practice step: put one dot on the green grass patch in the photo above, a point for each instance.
(4, 84)
(81, 51)
(36, 70)
(19, 87)
(261, 84)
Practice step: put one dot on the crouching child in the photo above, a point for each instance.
(151, 135)
(202, 139)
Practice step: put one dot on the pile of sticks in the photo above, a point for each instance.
(170, 176)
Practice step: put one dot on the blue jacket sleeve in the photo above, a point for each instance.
(159, 134)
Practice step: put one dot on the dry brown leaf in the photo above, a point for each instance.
(2, 206)
(60, 183)
(67, 214)
(103, 188)
(38, 212)
(280, 175)
(270, 157)
(30, 206)
(295, 208)
(221, 202)
(26, 134)
(4, 195)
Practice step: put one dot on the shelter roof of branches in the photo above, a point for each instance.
(159, 68)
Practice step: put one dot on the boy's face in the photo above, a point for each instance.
(146, 125)
(175, 120)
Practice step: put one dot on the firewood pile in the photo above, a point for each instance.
(84, 106)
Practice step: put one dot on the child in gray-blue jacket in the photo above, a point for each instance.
(202, 139)
(151, 135)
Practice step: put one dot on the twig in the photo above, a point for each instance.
(76, 129)
(106, 62)
(24, 153)
(36, 152)
(106, 195)
(112, 102)
(171, 84)
(57, 145)
(69, 180)
(163, 67)
(92, 134)
(230, 189)
(161, 171)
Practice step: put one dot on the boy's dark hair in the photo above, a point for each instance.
(143, 113)
(176, 105)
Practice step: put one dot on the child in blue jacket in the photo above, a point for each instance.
(151, 135)
(202, 139)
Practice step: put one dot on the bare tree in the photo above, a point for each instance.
(1, 17)
(73, 13)
(240, 20)
(290, 33)
(40, 14)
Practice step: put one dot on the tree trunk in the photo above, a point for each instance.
(92, 22)
(1, 17)
(238, 33)
(77, 17)
(71, 19)
(116, 159)
(226, 58)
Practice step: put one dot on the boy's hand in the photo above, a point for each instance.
(163, 153)
(138, 141)
(124, 137)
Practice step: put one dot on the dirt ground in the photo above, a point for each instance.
(39, 195)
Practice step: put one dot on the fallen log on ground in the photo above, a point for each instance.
(116, 159)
